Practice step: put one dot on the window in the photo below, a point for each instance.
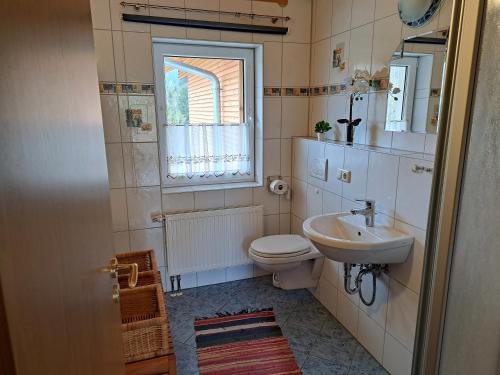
(206, 109)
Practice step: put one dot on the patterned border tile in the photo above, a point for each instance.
(126, 88)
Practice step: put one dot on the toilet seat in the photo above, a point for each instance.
(280, 246)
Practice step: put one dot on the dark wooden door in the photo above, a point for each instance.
(55, 220)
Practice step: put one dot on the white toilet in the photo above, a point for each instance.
(294, 260)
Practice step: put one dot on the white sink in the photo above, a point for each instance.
(344, 237)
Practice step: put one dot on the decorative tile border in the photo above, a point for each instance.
(126, 88)
(286, 91)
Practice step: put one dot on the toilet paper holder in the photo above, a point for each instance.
(270, 180)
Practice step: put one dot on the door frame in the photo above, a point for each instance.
(463, 52)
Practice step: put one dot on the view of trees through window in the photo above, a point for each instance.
(203, 90)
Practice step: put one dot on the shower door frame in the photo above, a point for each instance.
(464, 41)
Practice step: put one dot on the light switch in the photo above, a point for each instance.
(344, 175)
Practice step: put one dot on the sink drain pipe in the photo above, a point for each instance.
(364, 269)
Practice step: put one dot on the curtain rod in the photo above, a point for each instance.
(138, 6)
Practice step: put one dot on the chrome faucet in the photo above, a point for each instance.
(368, 212)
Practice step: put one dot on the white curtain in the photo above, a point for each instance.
(207, 150)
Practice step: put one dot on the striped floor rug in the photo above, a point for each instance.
(243, 343)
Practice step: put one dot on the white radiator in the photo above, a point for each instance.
(205, 240)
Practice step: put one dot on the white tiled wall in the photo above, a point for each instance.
(386, 328)
(370, 31)
(123, 52)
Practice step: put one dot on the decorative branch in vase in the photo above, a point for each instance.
(359, 84)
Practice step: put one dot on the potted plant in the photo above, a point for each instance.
(321, 128)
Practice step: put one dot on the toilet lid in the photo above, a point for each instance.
(283, 245)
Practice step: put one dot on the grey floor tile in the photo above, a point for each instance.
(321, 345)
(319, 366)
(364, 364)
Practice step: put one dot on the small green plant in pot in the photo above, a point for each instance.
(321, 128)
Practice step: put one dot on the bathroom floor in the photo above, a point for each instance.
(320, 343)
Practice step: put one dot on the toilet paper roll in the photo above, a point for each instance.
(279, 187)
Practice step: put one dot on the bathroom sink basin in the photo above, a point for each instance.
(344, 237)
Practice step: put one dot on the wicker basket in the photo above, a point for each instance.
(144, 278)
(146, 260)
(144, 323)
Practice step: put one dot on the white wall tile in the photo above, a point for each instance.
(272, 63)
(142, 203)
(382, 181)
(360, 110)
(138, 60)
(286, 157)
(271, 225)
(285, 200)
(384, 8)
(337, 107)
(341, 20)
(360, 49)
(206, 200)
(295, 70)
(141, 164)
(316, 153)
(188, 280)
(409, 273)
(331, 272)
(178, 202)
(322, 19)
(285, 223)
(318, 111)
(335, 156)
(104, 55)
(269, 200)
(377, 311)
(430, 143)
(110, 119)
(294, 114)
(397, 359)
(386, 39)
(119, 55)
(347, 314)
(146, 239)
(413, 187)
(118, 201)
(299, 203)
(259, 7)
(202, 33)
(238, 197)
(272, 117)
(357, 162)
(296, 225)
(168, 31)
(408, 141)
(299, 26)
(272, 157)
(314, 201)
(114, 160)
(101, 17)
(363, 11)
(328, 295)
(375, 133)
(321, 62)
(300, 158)
(121, 242)
(116, 17)
(402, 314)
(245, 271)
(371, 336)
(211, 277)
(332, 203)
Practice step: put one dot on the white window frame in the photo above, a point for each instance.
(252, 56)
(411, 65)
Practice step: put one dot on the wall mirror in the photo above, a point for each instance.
(416, 13)
(416, 72)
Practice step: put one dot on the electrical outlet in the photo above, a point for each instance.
(344, 175)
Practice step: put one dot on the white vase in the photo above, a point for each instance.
(321, 136)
